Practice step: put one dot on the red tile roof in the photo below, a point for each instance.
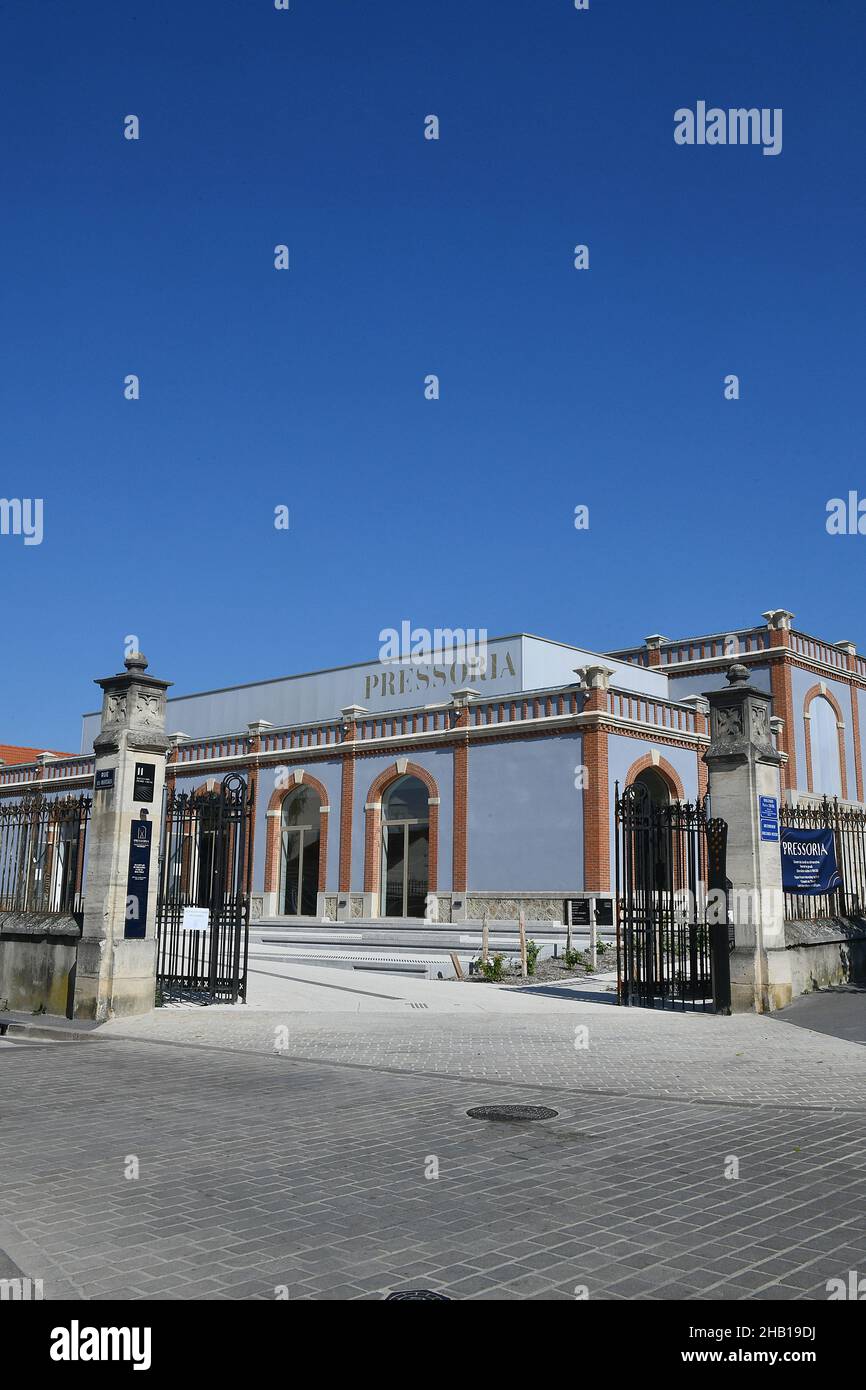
(11, 753)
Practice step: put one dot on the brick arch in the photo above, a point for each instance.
(273, 824)
(373, 825)
(814, 692)
(666, 771)
(207, 788)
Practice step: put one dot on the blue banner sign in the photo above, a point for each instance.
(137, 882)
(809, 861)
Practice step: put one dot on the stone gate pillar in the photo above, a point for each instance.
(116, 969)
(745, 789)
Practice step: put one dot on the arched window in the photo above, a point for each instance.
(656, 786)
(300, 847)
(405, 848)
(653, 867)
(824, 738)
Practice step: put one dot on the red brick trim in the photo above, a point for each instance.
(703, 777)
(783, 705)
(373, 826)
(855, 735)
(272, 832)
(812, 693)
(666, 771)
(347, 800)
(596, 811)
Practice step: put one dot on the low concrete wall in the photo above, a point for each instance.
(816, 955)
(38, 955)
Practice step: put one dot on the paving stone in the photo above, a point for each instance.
(257, 1171)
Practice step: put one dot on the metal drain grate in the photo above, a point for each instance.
(512, 1112)
(414, 1294)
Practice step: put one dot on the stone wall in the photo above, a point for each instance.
(38, 955)
(817, 955)
(537, 909)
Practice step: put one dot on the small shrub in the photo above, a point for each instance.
(572, 958)
(492, 969)
(532, 950)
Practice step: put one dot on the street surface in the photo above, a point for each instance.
(293, 1145)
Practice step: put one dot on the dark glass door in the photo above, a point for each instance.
(395, 870)
(300, 870)
(406, 858)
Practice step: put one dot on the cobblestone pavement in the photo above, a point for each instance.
(260, 1170)
(529, 1038)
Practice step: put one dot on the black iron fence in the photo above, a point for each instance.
(42, 854)
(205, 864)
(672, 904)
(848, 825)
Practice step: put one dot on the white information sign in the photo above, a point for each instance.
(195, 919)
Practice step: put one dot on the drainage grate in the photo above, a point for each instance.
(414, 1294)
(512, 1112)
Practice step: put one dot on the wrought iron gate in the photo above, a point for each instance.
(205, 862)
(672, 933)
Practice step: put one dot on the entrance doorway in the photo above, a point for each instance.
(655, 869)
(300, 847)
(405, 848)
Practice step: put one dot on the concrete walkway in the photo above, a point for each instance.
(841, 1012)
(568, 1038)
(318, 1140)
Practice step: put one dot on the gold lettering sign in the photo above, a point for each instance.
(407, 679)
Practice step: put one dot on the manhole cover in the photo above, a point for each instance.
(413, 1294)
(512, 1112)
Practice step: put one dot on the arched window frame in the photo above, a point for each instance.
(373, 825)
(820, 691)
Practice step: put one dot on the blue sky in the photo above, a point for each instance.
(408, 257)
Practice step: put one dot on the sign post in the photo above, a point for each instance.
(745, 789)
(116, 966)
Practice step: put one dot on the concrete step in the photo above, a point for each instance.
(54, 1026)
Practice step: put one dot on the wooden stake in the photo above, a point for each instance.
(568, 937)
(521, 922)
(485, 938)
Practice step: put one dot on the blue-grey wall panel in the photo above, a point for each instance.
(525, 815)
(696, 683)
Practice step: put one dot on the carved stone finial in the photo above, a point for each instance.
(738, 675)
(464, 695)
(594, 677)
(136, 661)
(779, 618)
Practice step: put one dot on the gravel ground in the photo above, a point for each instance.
(550, 970)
